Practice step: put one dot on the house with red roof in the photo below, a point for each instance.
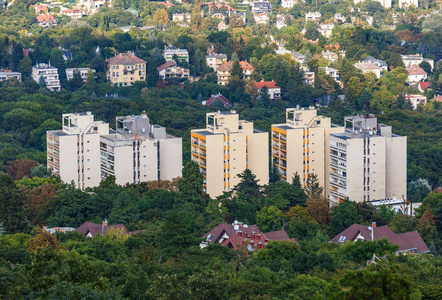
(74, 14)
(407, 241)
(416, 74)
(125, 68)
(46, 20)
(170, 69)
(274, 90)
(217, 98)
(422, 86)
(262, 18)
(242, 236)
(41, 8)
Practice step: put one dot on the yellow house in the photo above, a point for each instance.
(125, 68)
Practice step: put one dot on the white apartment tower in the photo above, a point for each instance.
(225, 148)
(139, 151)
(86, 151)
(367, 162)
(301, 145)
(73, 153)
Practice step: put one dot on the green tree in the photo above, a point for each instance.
(269, 218)
(191, 187)
(124, 210)
(312, 186)
(25, 65)
(381, 281)
(12, 213)
(265, 96)
(426, 66)
(343, 216)
(41, 81)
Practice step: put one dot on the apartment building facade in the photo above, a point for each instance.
(138, 151)
(225, 148)
(301, 145)
(87, 151)
(50, 75)
(214, 60)
(223, 71)
(125, 68)
(367, 162)
(8, 74)
(171, 51)
(73, 152)
(83, 73)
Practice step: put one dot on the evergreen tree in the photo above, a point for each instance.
(41, 81)
(265, 97)
(275, 175)
(191, 188)
(236, 71)
(312, 186)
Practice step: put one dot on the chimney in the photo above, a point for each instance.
(253, 235)
(104, 222)
(373, 224)
(239, 233)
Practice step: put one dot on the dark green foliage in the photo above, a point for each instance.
(12, 216)
(344, 215)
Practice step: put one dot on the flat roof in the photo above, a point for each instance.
(57, 132)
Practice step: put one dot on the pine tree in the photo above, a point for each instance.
(41, 81)
(312, 187)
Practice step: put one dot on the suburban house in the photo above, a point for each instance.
(242, 236)
(309, 77)
(170, 51)
(181, 17)
(416, 99)
(415, 59)
(125, 68)
(74, 14)
(333, 73)
(259, 7)
(222, 26)
(330, 56)
(288, 3)
(262, 18)
(416, 74)
(378, 62)
(281, 20)
(326, 29)
(40, 8)
(214, 60)
(407, 241)
(313, 16)
(46, 20)
(8, 74)
(422, 86)
(171, 70)
(217, 100)
(223, 71)
(83, 73)
(91, 229)
(368, 67)
(274, 90)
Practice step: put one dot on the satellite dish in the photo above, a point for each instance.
(143, 130)
(235, 222)
(370, 132)
(236, 227)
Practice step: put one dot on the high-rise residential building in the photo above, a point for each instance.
(86, 151)
(301, 145)
(49, 74)
(367, 162)
(225, 148)
(73, 153)
(140, 151)
(125, 68)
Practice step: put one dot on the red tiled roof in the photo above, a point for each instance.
(125, 59)
(45, 18)
(218, 97)
(416, 70)
(409, 241)
(438, 98)
(250, 235)
(424, 85)
(226, 66)
(166, 65)
(166, 3)
(268, 84)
